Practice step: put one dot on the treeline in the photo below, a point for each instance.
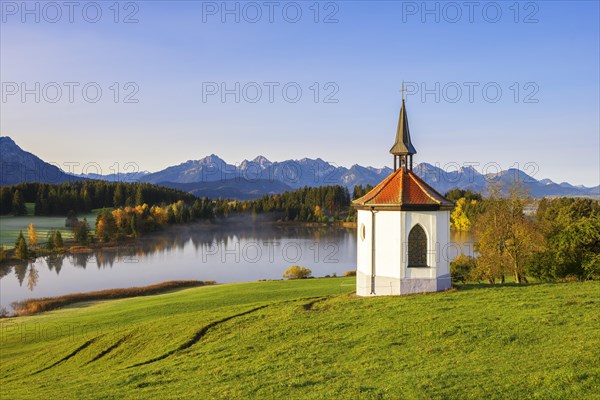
(561, 241)
(84, 196)
(133, 221)
(309, 204)
(114, 225)
(360, 191)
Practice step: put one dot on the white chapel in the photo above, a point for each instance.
(403, 228)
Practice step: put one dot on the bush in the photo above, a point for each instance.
(462, 268)
(33, 306)
(297, 272)
(71, 220)
(350, 273)
(591, 266)
(541, 266)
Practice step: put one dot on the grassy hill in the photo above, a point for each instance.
(312, 339)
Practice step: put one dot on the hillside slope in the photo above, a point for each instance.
(311, 339)
(18, 165)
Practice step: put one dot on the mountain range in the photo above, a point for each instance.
(212, 177)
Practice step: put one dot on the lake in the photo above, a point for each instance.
(224, 253)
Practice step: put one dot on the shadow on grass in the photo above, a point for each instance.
(472, 286)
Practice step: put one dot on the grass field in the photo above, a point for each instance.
(11, 225)
(312, 339)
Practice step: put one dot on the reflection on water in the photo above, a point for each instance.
(224, 253)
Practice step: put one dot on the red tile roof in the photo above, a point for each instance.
(404, 190)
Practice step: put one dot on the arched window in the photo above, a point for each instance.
(417, 247)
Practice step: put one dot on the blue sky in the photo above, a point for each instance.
(546, 120)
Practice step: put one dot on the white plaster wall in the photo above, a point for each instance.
(443, 229)
(363, 246)
(388, 252)
(391, 257)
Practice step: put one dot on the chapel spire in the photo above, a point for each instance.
(403, 150)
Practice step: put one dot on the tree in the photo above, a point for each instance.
(578, 246)
(57, 241)
(572, 231)
(81, 231)
(5, 200)
(490, 232)
(455, 194)
(139, 196)
(87, 201)
(458, 218)
(18, 204)
(133, 225)
(21, 250)
(32, 234)
(297, 272)
(318, 213)
(506, 239)
(106, 227)
(119, 196)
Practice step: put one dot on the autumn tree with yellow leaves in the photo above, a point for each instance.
(32, 236)
(506, 238)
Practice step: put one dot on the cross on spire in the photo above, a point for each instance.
(403, 90)
(403, 150)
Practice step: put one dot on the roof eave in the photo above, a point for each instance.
(403, 207)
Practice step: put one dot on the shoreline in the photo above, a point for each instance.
(42, 304)
(71, 247)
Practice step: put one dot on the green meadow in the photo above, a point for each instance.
(11, 225)
(312, 339)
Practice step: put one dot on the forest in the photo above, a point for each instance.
(83, 196)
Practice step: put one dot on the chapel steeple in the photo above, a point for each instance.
(403, 150)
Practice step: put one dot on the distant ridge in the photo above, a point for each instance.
(212, 176)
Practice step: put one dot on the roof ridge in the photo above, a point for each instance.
(422, 181)
(381, 185)
(423, 189)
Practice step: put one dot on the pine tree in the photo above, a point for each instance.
(87, 201)
(50, 239)
(139, 196)
(134, 225)
(5, 200)
(119, 197)
(57, 241)
(18, 204)
(21, 250)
